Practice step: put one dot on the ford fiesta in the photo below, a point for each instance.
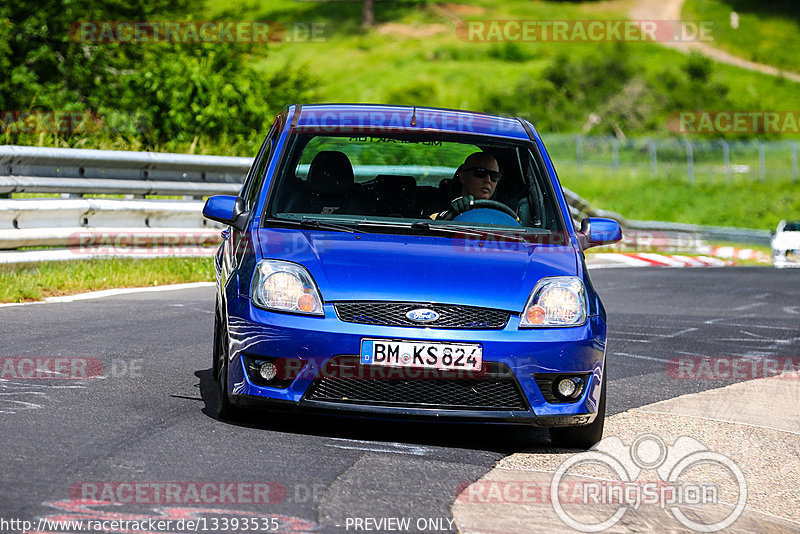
(415, 263)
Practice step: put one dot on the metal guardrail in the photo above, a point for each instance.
(134, 221)
(91, 227)
(80, 171)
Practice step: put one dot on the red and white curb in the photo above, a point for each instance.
(601, 260)
(740, 254)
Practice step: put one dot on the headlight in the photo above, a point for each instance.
(556, 301)
(283, 286)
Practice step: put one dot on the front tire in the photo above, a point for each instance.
(583, 437)
(215, 353)
(223, 407)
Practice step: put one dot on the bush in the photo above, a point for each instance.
(176, 92)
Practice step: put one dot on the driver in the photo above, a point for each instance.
(478, 176)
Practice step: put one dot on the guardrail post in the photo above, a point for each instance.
(726, 158)
(579, 152)
(794, 161)
(689, 160)
(615, 154)
(651, 146)
(761, 161)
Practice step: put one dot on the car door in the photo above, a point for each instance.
(241, 244)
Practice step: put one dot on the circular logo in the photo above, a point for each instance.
(648, 451)
(422, 315)
(670, 462)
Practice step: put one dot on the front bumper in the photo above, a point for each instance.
(315, 340)
(785, 258)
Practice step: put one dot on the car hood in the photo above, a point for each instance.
(786, 240)
(401, 268)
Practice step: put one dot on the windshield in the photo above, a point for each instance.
(792, 227)
(395, 182)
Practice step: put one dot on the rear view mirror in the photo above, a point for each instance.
(599, 231)
(227, 209)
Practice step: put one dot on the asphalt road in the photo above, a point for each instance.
(147, 419)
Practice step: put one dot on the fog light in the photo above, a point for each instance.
(268, 371)
(570, 387)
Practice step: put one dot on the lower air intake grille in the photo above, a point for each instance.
(495, 389)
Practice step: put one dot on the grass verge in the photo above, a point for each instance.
(29, 282)
(743, 204)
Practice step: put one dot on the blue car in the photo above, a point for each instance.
(412, 263)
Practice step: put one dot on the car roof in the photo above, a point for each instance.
(375, 118)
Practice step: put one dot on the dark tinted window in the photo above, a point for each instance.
(406, 178)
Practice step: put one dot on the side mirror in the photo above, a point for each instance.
(599, 231)
(227, 209)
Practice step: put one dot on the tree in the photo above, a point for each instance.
(368, 18)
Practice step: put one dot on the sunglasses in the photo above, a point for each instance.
(480, 172)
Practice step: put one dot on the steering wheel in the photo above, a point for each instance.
(481, 203)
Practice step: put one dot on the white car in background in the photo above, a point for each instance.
(786, 244)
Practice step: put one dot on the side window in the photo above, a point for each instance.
(248, 181)
(258, 176)
(255, 178)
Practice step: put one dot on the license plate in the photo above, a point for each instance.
(430, 355)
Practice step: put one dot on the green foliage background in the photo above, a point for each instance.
(220, 98)
(172, 92)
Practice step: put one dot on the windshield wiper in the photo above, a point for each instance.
(452, 229)
(426, 226)
(421, 225)
(307, 222)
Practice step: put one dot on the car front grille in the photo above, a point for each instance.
(495, 388)
(394, 314)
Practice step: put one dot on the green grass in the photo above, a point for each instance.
(768, 32)
(398, 64)
(20, 283)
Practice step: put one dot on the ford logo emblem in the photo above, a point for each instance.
(422, 315)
